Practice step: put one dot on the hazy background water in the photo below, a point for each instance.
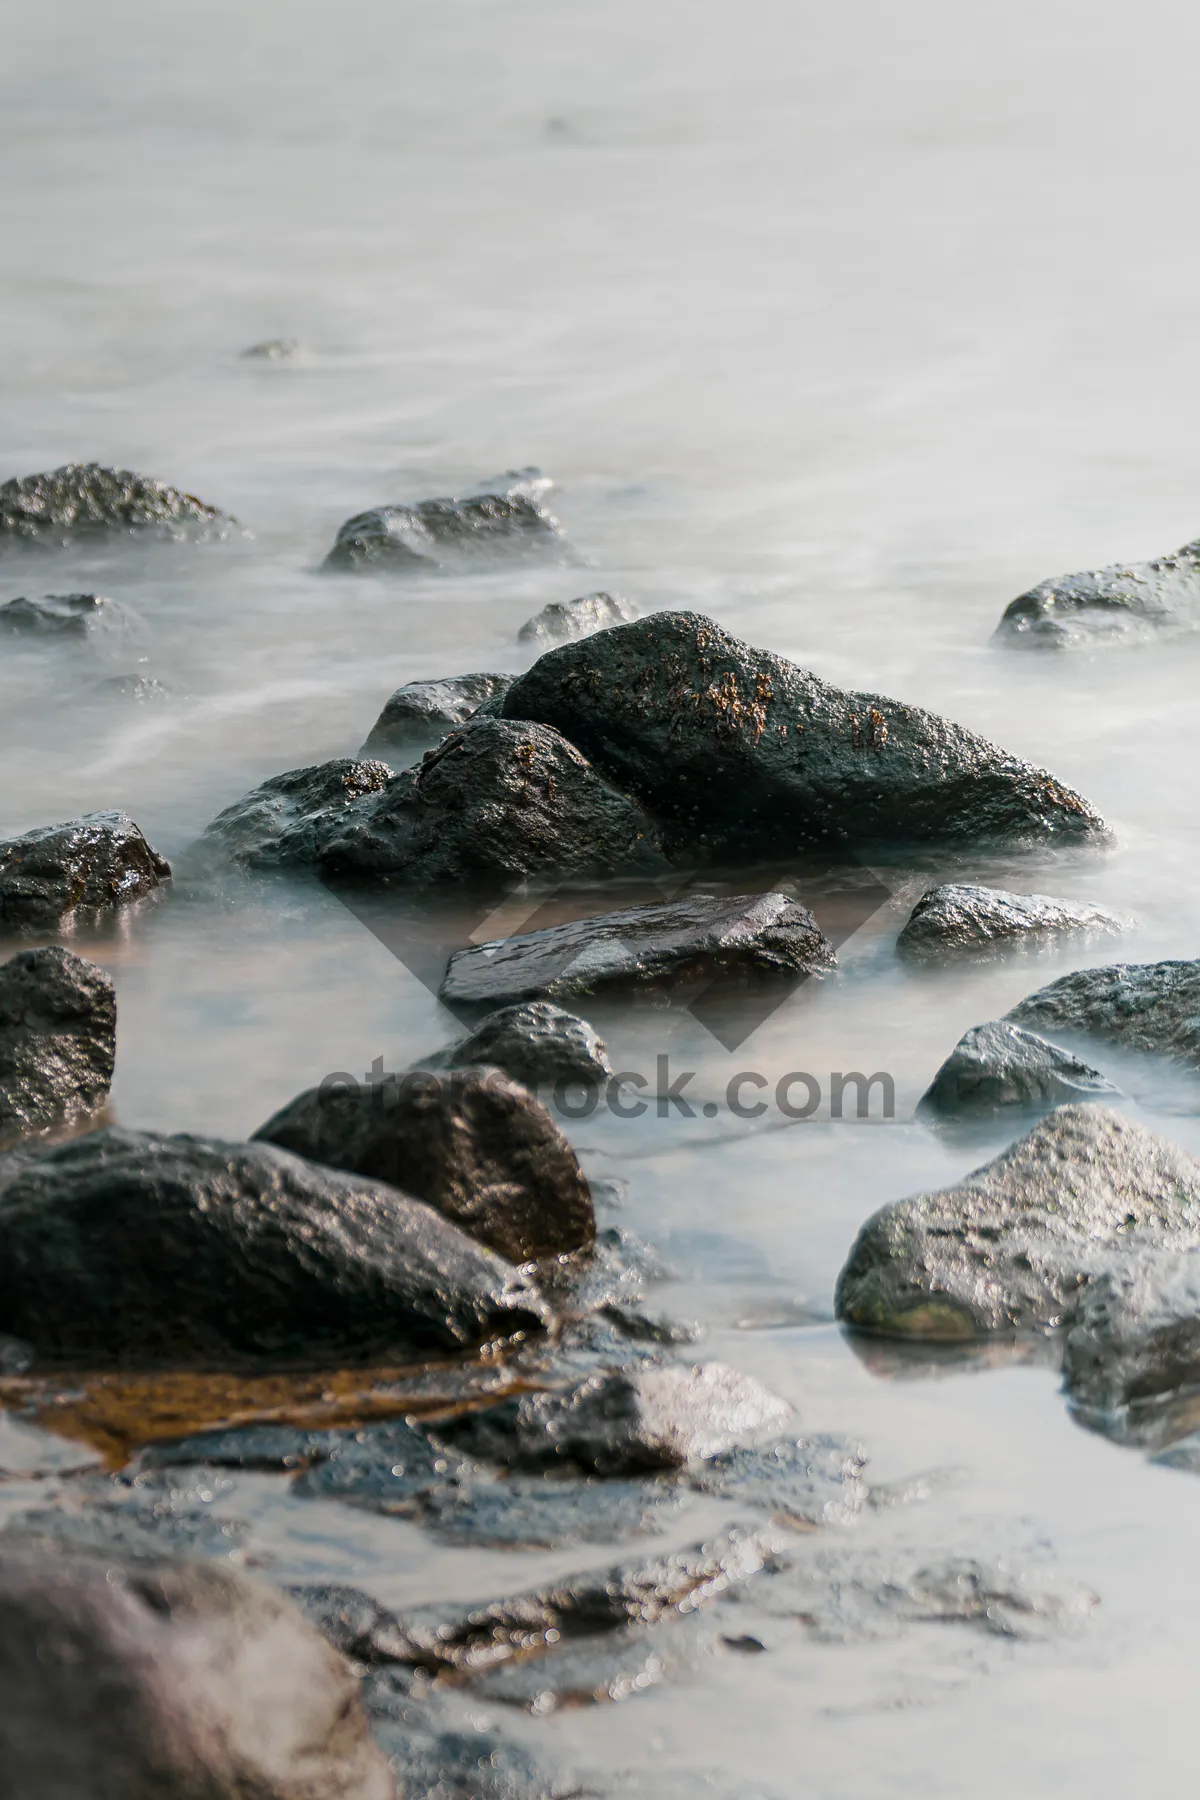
(842, 325)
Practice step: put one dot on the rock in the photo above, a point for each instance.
(563, 620)
(1010, 1247)
(1120, 603)
(1135, 1334)
(533, 1043)
(423, 711)
(127, 1246)
(273, 349)
(82, 500)
(800, 1481)
(1143, 1006)
(288, 1447)
(132, 687)
(547, 1513)
(471, 1143)
(63, 615)
(998, 1065)
(58, 1040)
(500, 517)
(588, 1674)
(744, 754)
(443, 1754)
(134, 1532)
(1184, 1454)
(496, 801)
(751, 937)
(128, 1682)
(283, 822)
(59, 876)
(387, 1468)
(962, 917)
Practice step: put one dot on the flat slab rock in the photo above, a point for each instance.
(754, 935)
(996, 1066)
(1143, 1006)
(129, 1247)
(564, 620)
(499, 517)
(63, 616)
(58, 1040)
(421, 712)
(282, 822)
(83, 500)
(535, 1043)
(1011, 1247)
(57, 876)
(1118, 604)
(961, 917)
(741, 753)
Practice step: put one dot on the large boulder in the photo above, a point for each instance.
(124, 1246)
(1011, 1247)
(122, 1681)
(536, 1043)
(64, 616)
(998, 1065)
(563, 620)
(497, 518)
(84, 500)
(58, 1040)
(745, 754)
(1123, 602)
(495, 801)
(421, 712)
(1143, 1006)
(284, 820)
(960, 916)
(751, 937)
(472, 1143)
(59, 876)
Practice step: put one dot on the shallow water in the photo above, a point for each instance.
(842, 325)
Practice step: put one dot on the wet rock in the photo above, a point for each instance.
(386, 1469)
(59, 876)
(130, 1682)
(1011, 1247)
(998, 1065)
(499, 518)
(439, 1755)
(273, 350)
(250, 1447)
(125, 1246)
(1135, 1333)
(800, 1481)
(63, 615)
(1121, 603)
(58, 1040)
(534, 1043)
(1184, 1455)
(355, 1624)
(751, 937)
(528, 1513)
(472, 1143)
(590, 1674)
(84, 500)
(132, 687)
(964, 917)
(744, 754)
(1143, 1006)
(284, 821)
(495, 801)
(564, 620)
(135, 1533)
(424, 711)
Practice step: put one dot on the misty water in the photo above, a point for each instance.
(842, 326)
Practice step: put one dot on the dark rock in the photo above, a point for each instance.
(499, 517)
(563, 620)
(63, 615)
(58, 876)
(386, 1469)
(751, 937)
(744, 754)
(472, 1143)
(534, 1043)
(1135, 1334)
(58, 1040)
(961, 917)
(441, 1756)
(495, 801)
(249, 1447)
(1185, 1455)
(135, 1533)
(1010, 1247)
(133, 687)
(424, 711)
(353, 1622)
(1123, 602)
(129, 1682)
(544, 1512)
(284, 821)
(125, 1246)
(273, 349)
(1143, 1006)
(82, 500)
(998, 1065)
(590, 1674)
(800, 1481)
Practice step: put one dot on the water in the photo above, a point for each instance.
(842, 325)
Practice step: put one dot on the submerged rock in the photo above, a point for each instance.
(962, 917)
(1011, 1247)
(1135, 1334)
(534, 1043)
(744, 754)
(177, 1678)
(548, 1513)
(998, 1065)
(273, 349)
(63, 615)
(284, 821)
(423, 711)
(132, 687)
(126, 1246)
(495, 801)
(750, 936)
(1143, 1006)
(58, 1040)
(800, 1481)
(82, 500)
(500, 517)
(1116, 604)
(472, 1143)
(58, 876)
(563, 620)
(388, 1468)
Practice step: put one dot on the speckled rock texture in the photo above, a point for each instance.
(564, 620)
(1120, 604)
(421, 712)
(997, 1066)
(58, 1040)
(82, 500)
(59, 876)
(500, 518)
(285, 820)
(1142, 1006)
(958, 916)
